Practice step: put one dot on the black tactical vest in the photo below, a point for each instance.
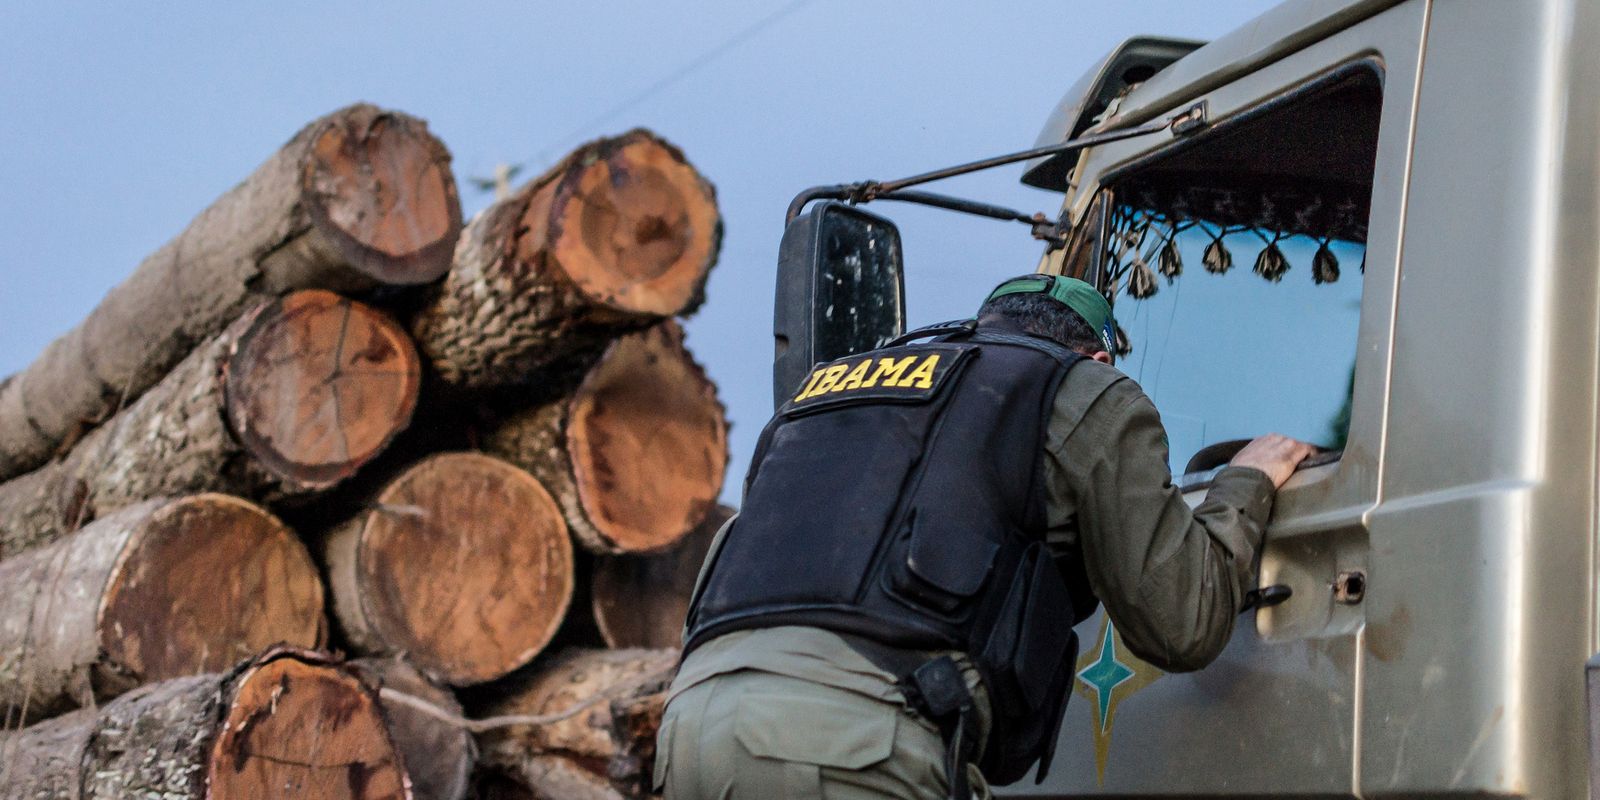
(899, 497)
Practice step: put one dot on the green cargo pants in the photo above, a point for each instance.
(753, 735)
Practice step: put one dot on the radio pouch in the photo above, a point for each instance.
(1027, 660)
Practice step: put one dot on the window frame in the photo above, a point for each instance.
(1106, 201)
(1345, 489)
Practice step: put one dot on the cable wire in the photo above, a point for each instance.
(706, 57)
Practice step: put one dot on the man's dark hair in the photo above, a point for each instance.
(1042, 315)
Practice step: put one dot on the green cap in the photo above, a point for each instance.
(1074, 294)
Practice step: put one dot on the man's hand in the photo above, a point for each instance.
(1275, 454)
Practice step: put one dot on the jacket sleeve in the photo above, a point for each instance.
(1171, 579)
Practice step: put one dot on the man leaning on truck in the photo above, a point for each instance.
(891, 613)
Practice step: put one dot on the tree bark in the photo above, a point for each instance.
(293, 397)
(593, 752)
(359, 198)
(620, 234)
(290, 724)
(636, 455)
(44, 761)
(438, 756)
(642, 600)
(547, 777)
(156, 590)
(635, 724)
(462, 564)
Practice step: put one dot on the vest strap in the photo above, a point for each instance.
(969, 328)
(1055, 350)
(961, 327)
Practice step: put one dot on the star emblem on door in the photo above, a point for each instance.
(1107, 675)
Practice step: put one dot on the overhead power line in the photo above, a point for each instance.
(671, 78)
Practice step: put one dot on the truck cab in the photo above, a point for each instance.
(1383, 241)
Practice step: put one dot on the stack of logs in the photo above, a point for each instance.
(329, 421)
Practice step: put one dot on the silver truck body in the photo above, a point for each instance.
(1466, 494)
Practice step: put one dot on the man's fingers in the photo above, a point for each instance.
(1275, 455)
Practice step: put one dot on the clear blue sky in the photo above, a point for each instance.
(120, 121)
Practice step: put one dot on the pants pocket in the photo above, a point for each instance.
(819, 729)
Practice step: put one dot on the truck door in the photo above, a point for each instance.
(1254, 269)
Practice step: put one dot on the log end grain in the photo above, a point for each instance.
(379, 185)
(621, 233)
(288, 724)
(300, 728)
(648, 441)
(205, 582)
(642, 600)
(634, 226)
(465, 565)
(318, 385)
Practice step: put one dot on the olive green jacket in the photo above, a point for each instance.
(1171, 579)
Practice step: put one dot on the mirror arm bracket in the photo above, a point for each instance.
(1044, 228)
(801, 200)
(1183, 123)
(1186, 117)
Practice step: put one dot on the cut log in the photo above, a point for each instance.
(463, 564)
(642, 600)
(562, 778)
(288, 725)
(293, 397)
(44, 761)
(359, 198)
(593, 752)
(491, 785)
(635, 724)
(636, 454)
(620, 234)
(438, 755)
(154, 591)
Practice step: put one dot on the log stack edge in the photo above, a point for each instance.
(329, 419)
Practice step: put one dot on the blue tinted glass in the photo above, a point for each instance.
(1232, 334)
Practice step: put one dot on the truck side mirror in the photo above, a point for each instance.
(841, 290)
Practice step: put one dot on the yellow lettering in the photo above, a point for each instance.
(891, 369)
(816, 374)
(830, 376)
(856, 376)
(922, 376)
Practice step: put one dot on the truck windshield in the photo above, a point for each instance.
(1235, 270)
